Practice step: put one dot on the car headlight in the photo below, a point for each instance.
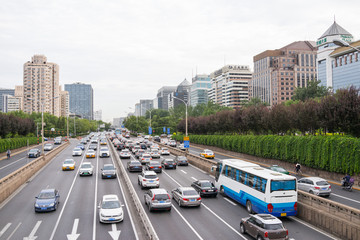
(36, 205)
(51, 204)
(102, 215)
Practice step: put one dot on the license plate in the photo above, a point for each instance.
(324, 188)
(43, 208)
(151, 181)
(162, 201)
(109, 176)
(170, 165)
(86, 173)
(111, 219)
(192, 200)
(210, 190)
(283, 214)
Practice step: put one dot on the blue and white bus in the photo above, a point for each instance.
(261, 190)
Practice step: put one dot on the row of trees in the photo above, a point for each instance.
(11, 125)
(337, 112)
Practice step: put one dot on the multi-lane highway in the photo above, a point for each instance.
(77, 214)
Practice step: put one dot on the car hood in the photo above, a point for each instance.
(85, 169)
(68, 164)
(108, 171)
(45, 201)
(114, 211)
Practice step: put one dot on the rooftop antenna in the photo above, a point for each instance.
(334, 18)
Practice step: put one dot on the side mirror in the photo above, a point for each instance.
(101, 169)
(36, 197)
(213, 168)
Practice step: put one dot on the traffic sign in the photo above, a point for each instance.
(150, 130)
(186, 144)
(186, 138)
(168, 131)
(164, 129)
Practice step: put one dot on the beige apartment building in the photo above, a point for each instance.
(278, 72)
(229, 85)
(41, 86)
(64, 103)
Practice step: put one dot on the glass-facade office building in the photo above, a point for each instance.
(201, 84)
(81, 100)
(2, 93)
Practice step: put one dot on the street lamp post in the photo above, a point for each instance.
(186, 116)
(343, 43)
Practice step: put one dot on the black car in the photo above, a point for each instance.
(205, 188)
(143, 146)
(108, 171)
(168, 163)
(181, 161)
(157, 139)
(134, 166)
(93, 146)
(154, 166)
(34, 153)
(120, 146)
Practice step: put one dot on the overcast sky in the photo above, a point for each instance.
(127, 50)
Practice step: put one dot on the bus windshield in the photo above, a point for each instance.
(283, 185)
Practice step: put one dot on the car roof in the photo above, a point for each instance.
(159, 190)
(186, 188)
(48, 190)
(109, 164)
(267, 218)
(110, 197)
(314, 178)
(149, 173)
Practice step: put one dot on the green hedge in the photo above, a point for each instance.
(13, 143)
(331, 153)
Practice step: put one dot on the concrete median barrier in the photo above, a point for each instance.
(10, 183)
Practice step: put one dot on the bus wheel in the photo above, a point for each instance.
(222, 192)
(249, 206)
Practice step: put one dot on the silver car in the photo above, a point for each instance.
(186, 196)
(157, 199)
(86, 169)
(315, 185)
(48, 147)
(77, 152)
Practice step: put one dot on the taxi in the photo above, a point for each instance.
(207, 154)
(103, 142)
(90, 153)
(69, 164)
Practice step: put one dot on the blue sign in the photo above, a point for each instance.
(186, 144)
(164, 129)
(168, 131)
(150, 130)
(122, 126)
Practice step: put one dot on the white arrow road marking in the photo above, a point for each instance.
(74, 235)
(4, 229)
(32, 234)
(115, 234)
(183, 171)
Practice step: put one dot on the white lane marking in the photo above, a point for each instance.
(32, 234)
(201, 170)
(223, 221)
(4, 229)
(345, 198)
(171, 178)
(95, 202)
(74, 235)
(228, 200)
(313, 228)
(183, 171)
(126, 204)
(14, 231)
(183, 218)
(114, 233)
(66, 200)
(194, 178)
(11, 163)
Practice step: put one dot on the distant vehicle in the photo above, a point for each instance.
(155, 154)
(279, 169)
(148, 179)
(34, 153)
(147, 137)
(81, 146)
(157, 199)
(205, 188)
(93, 146)
(110, 209)
(86, 169)
(164, 151)
(83, 141)
(315, 185)
(207, 154)
(135, 148)
(125, 153)
(47, 200)
(182, 147)
(94, 140)
(104, 152)
(261, 190)
(168, 163)
(157, 139)
(108, 171)
(69, 164)
(103, 142)
(186, 196)
(90, 153)
(58, 140)
(154, 166)
(181, 160)
(143, 146)
(134, 166)
(172, 143)
(145, 158)
(263, 226)
(120, 146)
(139, 153)
(77, 152)
(48, 147)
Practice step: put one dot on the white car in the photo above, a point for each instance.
(48, 147)
(77, 152)
(155, 154)
(104, 152)
(172, 143)
(148, 179)
(145, 158)
(164, 151)
(125, 153)
(110, 209)
(86, 169)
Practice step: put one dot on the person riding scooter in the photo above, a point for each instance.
(346, 180)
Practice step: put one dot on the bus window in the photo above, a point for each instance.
(233, 175)
(257, 183)
(250, 180)
(246, 179)
(217, 173)
(242, 177)
(226, 170)
(283, 185)
(237, 175)
(263, 185)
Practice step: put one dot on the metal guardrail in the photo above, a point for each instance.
(10, 183)
(145, 221)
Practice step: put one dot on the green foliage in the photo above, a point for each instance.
(13, 143)
(330, 153)
(313, 90)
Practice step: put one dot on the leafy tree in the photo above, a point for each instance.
(313, 90)
(255, 102)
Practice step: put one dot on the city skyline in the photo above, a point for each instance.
(131, 50)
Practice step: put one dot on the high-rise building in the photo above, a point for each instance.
(81, 98)
(64, 103)
(182, 92)
(3, 92)
(98, 115)
(229, 85)
(11, 103)
(200, 86)
(137, 112)
(278, 72)
(162, 96)
(19, 93)
(41, 86)
(145, 105)
(118, 122)
(325, 48)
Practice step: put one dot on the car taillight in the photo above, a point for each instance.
(329, 186)
(159, 166)
(203, 190)
(153, 198)
(169, 196)
(151, 167)
(144, 179)
(266, 234)
(317, 188)
(199, 199)
(157, 179)
(270, 207)
(185, 199)
(295, 206)
(287, 232)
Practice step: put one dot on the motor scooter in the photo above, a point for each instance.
(347, 185)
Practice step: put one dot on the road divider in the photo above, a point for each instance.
(10, 183)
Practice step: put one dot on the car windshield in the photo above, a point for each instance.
(276, 226)
(322, 183)
(125, 151)
(283, 185)
(209, 152)
(46, 195)
(104, 149)
(90, 151)
(108, 167)
(110, 204)
(136, 163)
(160, 197)
(68, 161)
(169, 162)
(145, 155)
(182, 158)
(189, 192)
(33, 150)
(86, 166)
(77, 149)
(150, 176)
(48, 145)
(154, 164)
(207, 184)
